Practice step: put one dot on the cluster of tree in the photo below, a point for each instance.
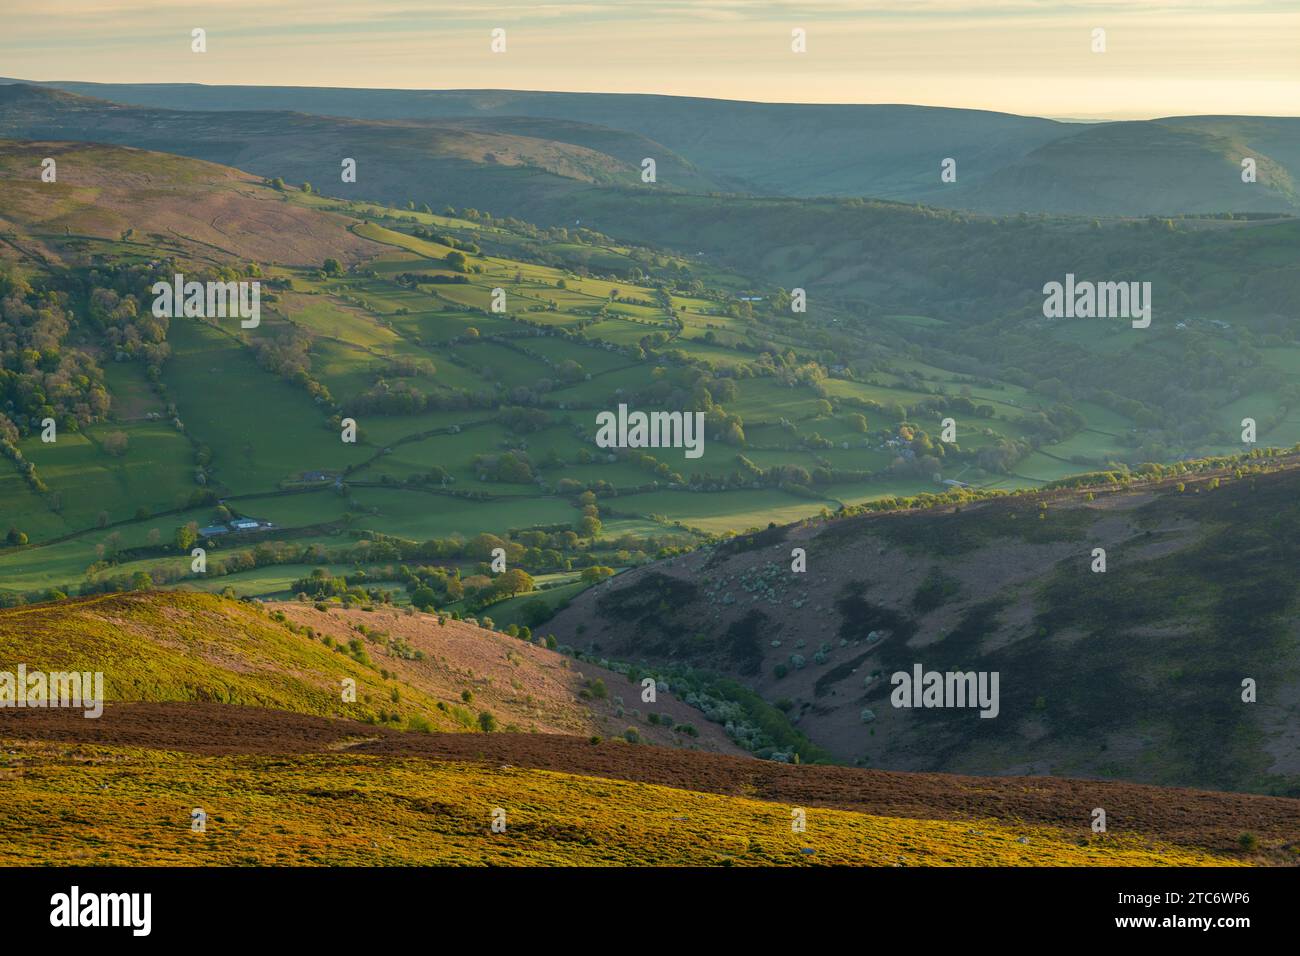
(288, 355)
(511, 467)
(321, 585)
(523, 421)
(443, 239)
(653, 465)
(119, 300)
(481, 590)
(403, 398)
(40, 377)
(413, 279)
(9, 448)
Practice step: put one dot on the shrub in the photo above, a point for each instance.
(419, 723)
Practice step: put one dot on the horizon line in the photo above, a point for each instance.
(1074, 117)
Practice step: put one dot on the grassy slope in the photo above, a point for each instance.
(133, 806)
(192, 646)
(197, 647)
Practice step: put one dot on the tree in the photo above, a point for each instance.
(595, 573)
(333, 267)
(512, 582)
(487, 720)
(185, 536)
(534, 612)
(140, 581)
(456, 260)
(115, 443)
(588, 526)
(15, 537)
(423, 597)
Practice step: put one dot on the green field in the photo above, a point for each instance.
(442, 388)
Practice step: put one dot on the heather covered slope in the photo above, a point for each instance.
(230, 708)
(350, 810)
(292, 789)
(158, 201)
(411, 670)
(1135, 673)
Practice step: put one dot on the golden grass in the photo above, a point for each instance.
(125, 806)
(185, 646)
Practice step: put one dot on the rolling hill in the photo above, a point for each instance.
(410, 670)
(1005, 163)
(465, 154)
(236, 709)
(159, 202)
(474, 422)
(1135, 672)
(949, 462)
(1123, 169)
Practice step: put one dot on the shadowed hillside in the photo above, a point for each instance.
(1135, 673)
(1005, 163)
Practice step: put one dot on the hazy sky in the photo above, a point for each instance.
(1025, 56)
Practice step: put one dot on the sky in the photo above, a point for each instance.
(1162, 57)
